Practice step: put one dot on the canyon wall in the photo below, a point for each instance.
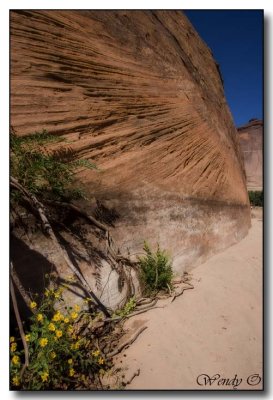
(139, 93)
(251, 141)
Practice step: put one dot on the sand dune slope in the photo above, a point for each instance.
(214, 329)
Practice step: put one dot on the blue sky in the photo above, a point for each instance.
(236, 39)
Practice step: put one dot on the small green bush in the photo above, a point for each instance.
(256, 198)
(126, 309)
(155, 270)
(48, 175)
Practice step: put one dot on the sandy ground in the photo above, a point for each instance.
(214, 329)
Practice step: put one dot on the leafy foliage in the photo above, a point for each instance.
(256, 198)
(155, 270)
(126, 309)
(46, 174)
(60, 356)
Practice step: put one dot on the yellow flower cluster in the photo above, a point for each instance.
(74, 315)
(13, 347)
(44, 376)
(71, 372)
(59, 333)
(33, 305)
(43, 342)
(57, 317)
(27, 337)
(15, 360)
(16, 380)
(51, 327)
(40, 317)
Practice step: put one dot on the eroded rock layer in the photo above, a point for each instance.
(139, 93)
(251, 141)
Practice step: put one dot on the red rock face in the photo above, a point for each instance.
(139, 93)
(251, 141)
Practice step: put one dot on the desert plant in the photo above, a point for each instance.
(126, 309)
(46, 174)
(155, 270)
(60, 356)
(256, 198)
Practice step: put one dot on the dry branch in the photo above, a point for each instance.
(20, 326)
(128, 343)
(20, 287)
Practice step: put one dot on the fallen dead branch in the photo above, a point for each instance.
(132, 377)
(128, 343)
(190, 286)
(20, 326)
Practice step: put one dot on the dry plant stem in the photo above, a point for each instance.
(132, 377)
(39, 207)
(20, 326)
(182, 291)
(89, 218)
(20, 287)
(143, 311)
(128, 343)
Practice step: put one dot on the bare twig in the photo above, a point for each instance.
(20, 287)
(182, 291)
(20, 326)
(128, 343)
(132, 377)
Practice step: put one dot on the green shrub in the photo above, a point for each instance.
(155, 270)
(46, 174)
(60, 355)
(126, 309)
(256, 198)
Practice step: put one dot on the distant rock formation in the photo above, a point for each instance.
(251, 141)
(139, 93)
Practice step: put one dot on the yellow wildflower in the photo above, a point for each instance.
(74, 315)
(15, 360)
(77, 345)
(12, 339)
(70, 361)
(96, 353)
(16, 380)
(27, 337)
(43, 342)
(101, 360)
(71, 372)
(74, 336)
(77, 308)
(57, 316)
(44, 376)
(40, 317)
(51, 327)
(33, 305)
(13, 347)
(59, 333)
(66, 320)
(53, 355)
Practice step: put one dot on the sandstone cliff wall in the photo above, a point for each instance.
(139, 93)
(251, 141)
